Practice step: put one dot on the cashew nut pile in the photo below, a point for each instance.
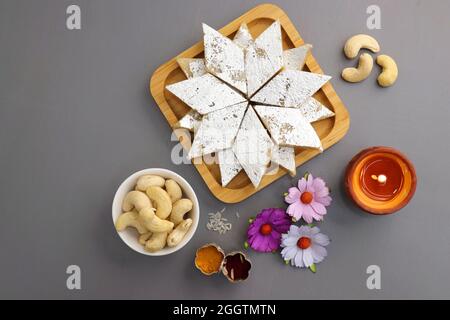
(363, 41)
(157, 210)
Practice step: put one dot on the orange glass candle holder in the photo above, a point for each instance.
(380, 180)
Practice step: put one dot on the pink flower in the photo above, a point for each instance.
(309, 200)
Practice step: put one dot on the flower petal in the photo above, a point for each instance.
(317, 217)
(319, 208)
(318, 253)
(252, 230)
(326, 201)
(275, 235)
(319, 184)
(277, 218)
(308, 213)
(293, 195)
(290, 239)
(257, 222)
(322, 192)
(302, 185)
(257, 243)
(294, 231)
(251, 239)
(265, 245)
(278, 214)
(282, 226)
(295, 210)
(265, 215)
(303, 231)
(298, 260)
(273, 244)
(289, 242)
(309, 183)
(307, 257)
(321, 239)
(288, 253)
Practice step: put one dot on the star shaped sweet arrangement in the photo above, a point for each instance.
(251, 102)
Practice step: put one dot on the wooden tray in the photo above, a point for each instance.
(258, 19)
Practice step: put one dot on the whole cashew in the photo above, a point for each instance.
(130, 219)
(135, 199)
(174, 190)
(179, 209)
(149, 180)
(178, 233)
(162, 201)
(152, 222)
(389, 73)
(156, 242)
(358, 42)
(144, 237)
(365, 65)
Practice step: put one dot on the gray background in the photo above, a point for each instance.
(76, 118)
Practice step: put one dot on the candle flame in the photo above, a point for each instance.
(380, 178)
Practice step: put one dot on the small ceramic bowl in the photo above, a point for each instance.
(130, 236)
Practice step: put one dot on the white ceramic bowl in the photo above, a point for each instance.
(130, 236)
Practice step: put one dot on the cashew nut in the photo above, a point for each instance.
(174, 190)
(152, 222)
(365, 65)
(162, 201)
(178, 233)
(144, 237)
(130, 219)
(179, 209)
(135, 199)
(358, 42)
(389, 73)
(149, 180)
(156, 242)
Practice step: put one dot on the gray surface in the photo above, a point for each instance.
(76, 118)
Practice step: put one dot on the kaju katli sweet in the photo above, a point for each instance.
(208, 94)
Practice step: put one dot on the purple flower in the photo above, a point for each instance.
(264, 233)
(304, 246)
(309, 200)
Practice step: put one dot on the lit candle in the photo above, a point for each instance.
(380, 180)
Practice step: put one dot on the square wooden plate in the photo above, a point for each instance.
(258, 19)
